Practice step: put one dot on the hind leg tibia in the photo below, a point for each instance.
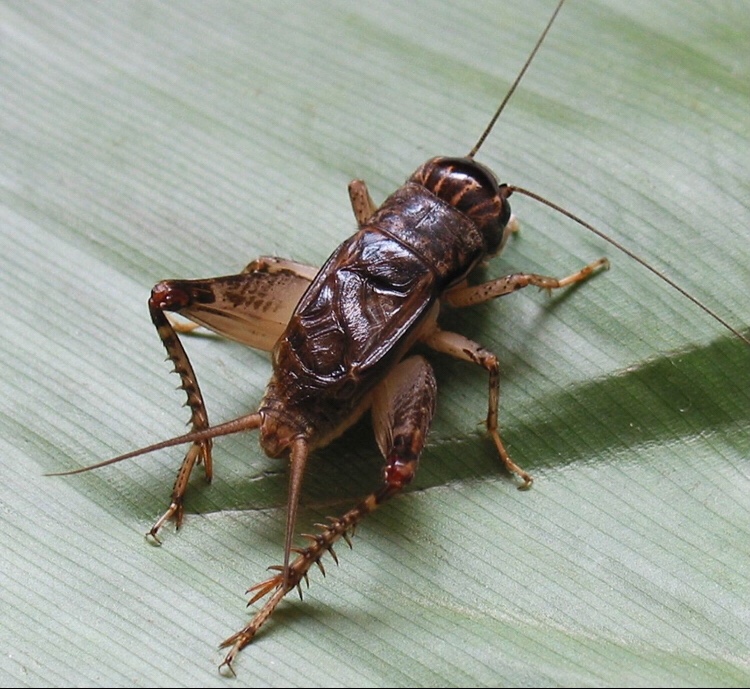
(403, 405)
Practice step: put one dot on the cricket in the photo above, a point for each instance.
(342, 336)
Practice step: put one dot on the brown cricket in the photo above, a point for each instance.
(341, 339)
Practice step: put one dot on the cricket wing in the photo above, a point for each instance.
(252, 307)
(362, 311)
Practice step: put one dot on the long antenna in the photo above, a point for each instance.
(575, 218)
(242, 423)
(634, 256)
(539, 42)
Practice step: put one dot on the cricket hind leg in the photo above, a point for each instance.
(403, 405)
(164, 298)
(273, 286)
(273, 265)
(251, 307)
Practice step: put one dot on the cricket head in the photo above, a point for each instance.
(472, 189)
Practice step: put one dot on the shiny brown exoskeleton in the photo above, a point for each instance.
(341, 339)
(345, 347)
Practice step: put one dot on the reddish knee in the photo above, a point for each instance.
(399, 473)
(167, 296)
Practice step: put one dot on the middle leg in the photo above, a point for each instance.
(463, 348)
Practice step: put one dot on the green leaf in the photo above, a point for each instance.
(148, 140)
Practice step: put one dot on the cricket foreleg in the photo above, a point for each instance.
(465, 349)
(164, 298)
(362, 203)
(402, 409)
(477, 294)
